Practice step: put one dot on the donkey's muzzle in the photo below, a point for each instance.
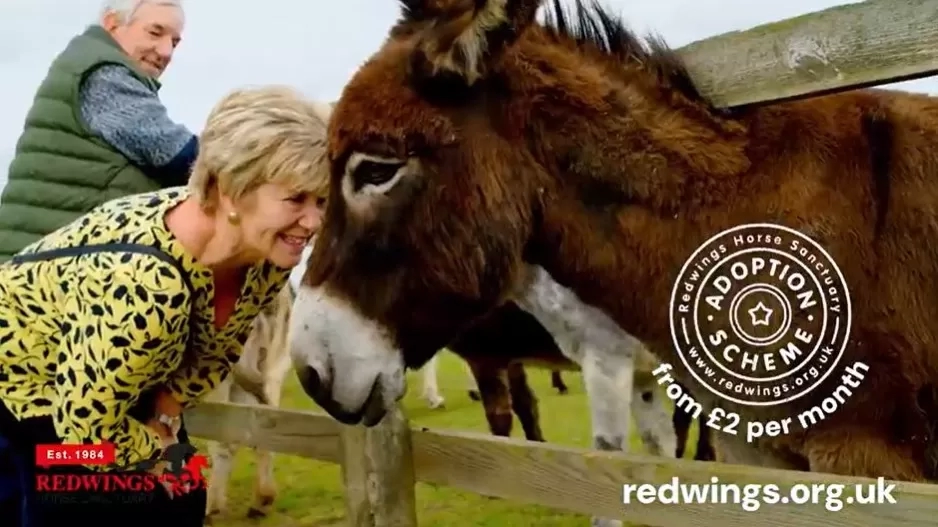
(320, 390)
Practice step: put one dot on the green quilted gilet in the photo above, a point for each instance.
(60, 170)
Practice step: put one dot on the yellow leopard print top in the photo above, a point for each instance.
(81, 336)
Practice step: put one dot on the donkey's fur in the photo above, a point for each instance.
(480, 156)
(263, 366)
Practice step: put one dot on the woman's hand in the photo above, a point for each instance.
(166, 434)
(166, 405)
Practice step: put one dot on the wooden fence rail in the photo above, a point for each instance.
(380, 466)
(844, 47)
(857, 45)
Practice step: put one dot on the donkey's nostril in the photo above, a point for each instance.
(311, 382)
(321, 393)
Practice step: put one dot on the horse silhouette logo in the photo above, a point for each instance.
(184, 472)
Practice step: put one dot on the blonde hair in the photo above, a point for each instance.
(253, 136)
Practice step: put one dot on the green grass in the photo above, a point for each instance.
(310, 492)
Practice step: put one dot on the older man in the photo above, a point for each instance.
(97, 129)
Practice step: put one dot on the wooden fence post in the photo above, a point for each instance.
(378, 472)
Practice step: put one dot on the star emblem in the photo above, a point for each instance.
(760, 315)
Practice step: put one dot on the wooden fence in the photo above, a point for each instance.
(380, 466)
(851, 46)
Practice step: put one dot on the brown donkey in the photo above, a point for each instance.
(480, 156)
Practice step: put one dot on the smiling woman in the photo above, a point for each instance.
(116, 322)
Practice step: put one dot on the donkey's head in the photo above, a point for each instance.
(449, 151)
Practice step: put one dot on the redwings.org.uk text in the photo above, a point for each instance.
(751, 496)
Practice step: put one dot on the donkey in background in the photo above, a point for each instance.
(257, 378)
(508, 382)
(497, 350)
(431, 387)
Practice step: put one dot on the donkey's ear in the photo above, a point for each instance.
(462, 38)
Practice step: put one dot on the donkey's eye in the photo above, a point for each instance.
(373, 173)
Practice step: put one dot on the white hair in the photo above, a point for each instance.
(125, 9)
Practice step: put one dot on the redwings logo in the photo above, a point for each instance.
(179, 471)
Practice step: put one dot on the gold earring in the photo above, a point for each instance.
(233, 218)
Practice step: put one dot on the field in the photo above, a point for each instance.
(311, 491)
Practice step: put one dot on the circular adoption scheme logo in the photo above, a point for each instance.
(760, 314)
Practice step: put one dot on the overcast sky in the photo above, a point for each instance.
(314, 45)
